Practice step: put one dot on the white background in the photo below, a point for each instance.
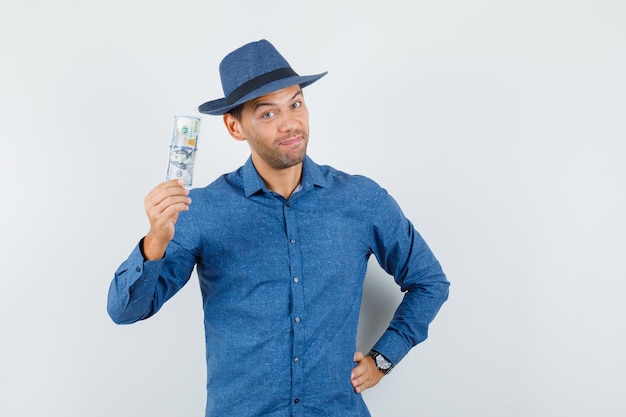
(497, 125)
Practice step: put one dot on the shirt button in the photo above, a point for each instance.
(297, 400)
(296, 360)
(296, 280)
(297, 319)
(288, 204)
(138, 269)
(293, 240)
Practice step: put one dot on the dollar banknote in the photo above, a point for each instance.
(183, 149)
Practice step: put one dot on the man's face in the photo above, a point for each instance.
(276, 127)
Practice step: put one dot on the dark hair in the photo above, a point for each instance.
(236, 112)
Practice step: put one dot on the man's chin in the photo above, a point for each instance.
(289, 161)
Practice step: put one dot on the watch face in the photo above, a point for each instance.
(382, 363)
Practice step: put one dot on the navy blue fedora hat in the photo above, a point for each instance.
(252, 71)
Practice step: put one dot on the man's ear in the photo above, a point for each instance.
(234, 127)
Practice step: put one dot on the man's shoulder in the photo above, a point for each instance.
(337, 176)
(229, 183)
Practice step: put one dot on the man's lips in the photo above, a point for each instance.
(291, 141)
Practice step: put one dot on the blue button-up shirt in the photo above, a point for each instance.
(281, 285)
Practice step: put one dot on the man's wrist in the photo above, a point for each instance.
(383, 364)
(150, 249)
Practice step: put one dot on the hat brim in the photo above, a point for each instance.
(219, 106)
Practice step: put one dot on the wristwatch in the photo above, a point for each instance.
(383, 364)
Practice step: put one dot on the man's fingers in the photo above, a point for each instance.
(365, 375)
(169, 205)
(163, 205)
(163, 216)
(361, 382)
(167, 199)
(165, 190)
(359, 375)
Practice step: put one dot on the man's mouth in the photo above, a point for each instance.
(291, 141)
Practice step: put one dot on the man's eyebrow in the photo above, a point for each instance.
(257, 104)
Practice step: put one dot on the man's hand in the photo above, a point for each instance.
(365, 375)
(162, 205)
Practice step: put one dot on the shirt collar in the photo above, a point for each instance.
(311, 176)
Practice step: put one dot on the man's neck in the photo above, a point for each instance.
(281, 181)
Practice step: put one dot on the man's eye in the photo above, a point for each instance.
(268, 115)
(297, 104)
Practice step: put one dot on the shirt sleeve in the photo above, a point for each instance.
(403, 253)
(140, 288)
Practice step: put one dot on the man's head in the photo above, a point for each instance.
(264, 104)
(251, 71)
(275, 125)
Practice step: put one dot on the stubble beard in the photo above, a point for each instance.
(276, 159)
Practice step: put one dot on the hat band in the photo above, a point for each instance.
(257, 82)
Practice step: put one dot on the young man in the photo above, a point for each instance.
(281, 247)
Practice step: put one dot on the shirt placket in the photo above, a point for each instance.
(297, 296)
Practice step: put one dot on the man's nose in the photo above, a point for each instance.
(288, 122)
